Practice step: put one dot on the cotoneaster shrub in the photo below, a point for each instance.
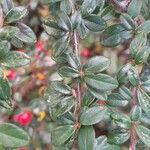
(87, 94)
(13, 34)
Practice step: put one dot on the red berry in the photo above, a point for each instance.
(11, 74)
(22, 148)
(39, 45)
(85, 52)
(24, 118)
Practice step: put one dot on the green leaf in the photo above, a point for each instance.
(16, 42)
(65, 6)
(76, 19)
(121, 120)
(133, 76)
(26, 34)
(60, 46)
(82, 30)
(93, 115)
(96, 64)
(115, 35)
(137, 44)
(15, 14)
(97, 94)
(73, 61)
(61, 134)
(12, 136)
(146, 86)
(107, 13)
(101, 82)
(95, 23)
(144, 27)
(5, 90)
(118, 137)
(125, 92)
(64, 21)
(122, 74)
(7, 5)
(136, 113)
(144, 134)
(62, 107)
(134, 8)
(116, 100)
(142, 55)
(86, 137)
(101, 143)
(15, 59)
(144, 101)
(61, 87)
(127, 21)
(8, 32)
(69, 72)
(4, 48)
(88, 99)
(88, 6)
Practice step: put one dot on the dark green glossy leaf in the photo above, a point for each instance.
(144, 27)
(66, 71)
(96, 64)
(101, 82)
(8, 32)
(65, 6)
(122, 74)
(115, 35)
(60, 46)
(95, 23)
(13, 136)
(133, 76)
(136, 113)
(134, 8)
(125, 92)
(61, 87)
(5, 90)
(144, 101)
(76, 19)
(4, 48)
(88, 6)
(26, 34)
(118, 137)
(127, 21)
(86, 137)
(107, 13)
(116, 100)
(93, 115)
(88, 99)
(15, 14)
(121, 120)
(61, 134)
(102, 144)
(144, 134)
(64, 21)
(137, 44)
(62, 107)
(82, 30)
(15, 59)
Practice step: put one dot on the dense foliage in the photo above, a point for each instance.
(89, 104)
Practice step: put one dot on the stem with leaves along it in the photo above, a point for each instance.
(75, 41)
